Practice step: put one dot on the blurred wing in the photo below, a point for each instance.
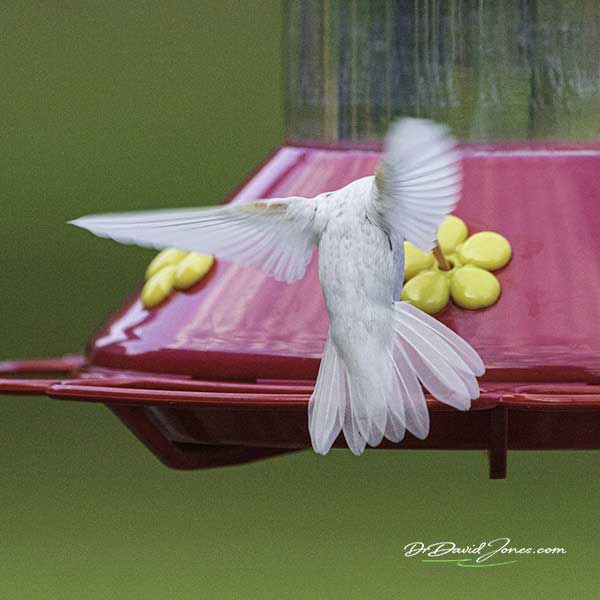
(275, 236)
(418, 181)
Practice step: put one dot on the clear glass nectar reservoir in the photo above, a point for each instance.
(502, 70)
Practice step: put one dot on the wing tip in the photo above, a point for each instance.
(82, 223)
(408, 125)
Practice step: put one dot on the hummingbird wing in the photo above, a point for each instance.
(275, 236)
(418, 181)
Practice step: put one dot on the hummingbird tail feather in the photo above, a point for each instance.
(442, 361)
(329, 408)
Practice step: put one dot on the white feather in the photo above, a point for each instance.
(327, 404)
(436, 363)
(462, 348)
(410, 395)
(420, 182)
(275, 236)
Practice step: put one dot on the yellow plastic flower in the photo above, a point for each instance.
(171, 270)
(468, 281)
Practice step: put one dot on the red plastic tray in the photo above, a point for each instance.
(239, 324)
(195, 378)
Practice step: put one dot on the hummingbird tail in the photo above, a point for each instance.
(377, 393)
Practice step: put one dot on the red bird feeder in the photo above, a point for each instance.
(222, 373)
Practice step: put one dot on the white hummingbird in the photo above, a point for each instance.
(379, 350)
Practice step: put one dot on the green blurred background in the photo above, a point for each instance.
(127, 105)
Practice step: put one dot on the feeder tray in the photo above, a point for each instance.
(222, 373)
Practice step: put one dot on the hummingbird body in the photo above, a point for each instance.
(361, 273)
(356, 257)
(379, 350)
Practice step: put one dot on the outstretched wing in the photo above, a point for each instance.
(418, 181)
(275, 236)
